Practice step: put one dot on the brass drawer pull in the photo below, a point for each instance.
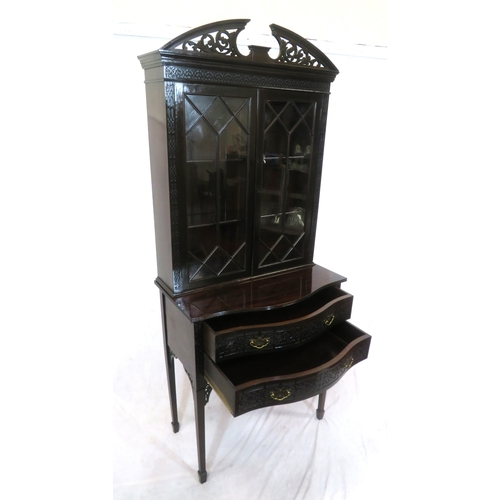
(280, 394)
(329, 320)
(348, 362)
(260, 342)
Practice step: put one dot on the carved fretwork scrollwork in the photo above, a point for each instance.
(295, 54)
(220, 39)
(295, 49)
(216, 38)
(208, 391)
(223, 42)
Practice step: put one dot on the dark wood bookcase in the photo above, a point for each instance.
(236, 148)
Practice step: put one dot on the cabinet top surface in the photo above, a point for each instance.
(262, 293)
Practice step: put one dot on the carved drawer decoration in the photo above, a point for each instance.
(267, 331)
(274, 378)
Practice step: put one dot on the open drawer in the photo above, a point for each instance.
(281, 377)
(257, 332)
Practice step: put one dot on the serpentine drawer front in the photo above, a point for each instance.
(273, 378)
(258, 332)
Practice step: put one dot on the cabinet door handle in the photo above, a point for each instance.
(280, 394)
(260, 342)
(329, 320)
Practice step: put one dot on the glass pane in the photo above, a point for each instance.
(233, 190)
(194, 108)
(273, 110)
(276, 140)
(233, 141)
(272, 173)
(207, 259)
(233, 242)
(218, 115)
(294, 221)
(241, 110)
(200, 189)
(191, 115)
(217, 139)
(289, 117)
(201, 243)
(288, 139)
(201, 102)
(298, 184)
(301, 144)
(201, 142)
(243, 116)
(306, 110)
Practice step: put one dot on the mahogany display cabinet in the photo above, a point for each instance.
(236, 149)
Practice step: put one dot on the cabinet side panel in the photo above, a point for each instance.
(316, 181)
(181, 337)
(185, 340)
(158, 150)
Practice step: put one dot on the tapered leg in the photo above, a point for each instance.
(199, 408)
(169, 361)
(321, 406)
(171, 389)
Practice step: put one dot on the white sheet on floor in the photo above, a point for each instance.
(279, 452)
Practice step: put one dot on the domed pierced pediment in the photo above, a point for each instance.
(220, 40)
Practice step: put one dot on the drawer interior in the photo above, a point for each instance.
(288, 313)
(315, 353)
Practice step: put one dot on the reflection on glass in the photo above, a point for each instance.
(288, 139)
(201, 185)
(216, 132)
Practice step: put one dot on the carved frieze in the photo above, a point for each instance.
(182, 73)
(243, 342)
(271, 393)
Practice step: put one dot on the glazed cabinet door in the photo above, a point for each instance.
(286, 173)
(217, 145)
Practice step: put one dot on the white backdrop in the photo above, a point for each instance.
(278, 452)
(409, 213)
(402, 216)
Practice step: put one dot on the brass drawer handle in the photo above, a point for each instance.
(280, 394)
(348, 362)
(260, 342)
(329, 320)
